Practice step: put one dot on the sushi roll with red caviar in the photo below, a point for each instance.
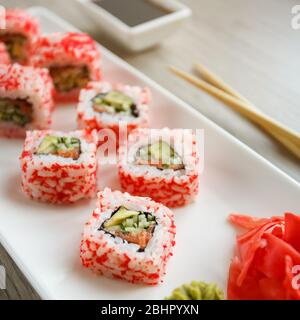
(4, 56)
(26, 101)
(19, 35)
(161, 164)
(59, 167)
(103, 105)
(73, 60)
(129, 238)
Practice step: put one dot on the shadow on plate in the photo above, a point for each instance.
(97, 285)
(13, 192)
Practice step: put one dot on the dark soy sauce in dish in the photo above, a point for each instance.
(133, 12)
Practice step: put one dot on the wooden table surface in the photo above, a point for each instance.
(249, 43)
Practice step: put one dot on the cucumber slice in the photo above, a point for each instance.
(142, 217)
(131, 229)
(128, 222)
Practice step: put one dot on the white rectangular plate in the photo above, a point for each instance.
(44, 239)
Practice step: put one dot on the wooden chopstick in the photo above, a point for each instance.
(216, 81)
(289, 138)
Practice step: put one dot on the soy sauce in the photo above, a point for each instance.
(133, 12)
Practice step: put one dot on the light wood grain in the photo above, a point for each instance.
(250, 43)
(17, 286)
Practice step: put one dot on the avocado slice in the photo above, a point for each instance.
(161, 151)
(119, 216)
(98, 99)
(161, 155)
(118, 100)
(115, 99)
(47, 145)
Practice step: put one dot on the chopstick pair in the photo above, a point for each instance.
(216, 87)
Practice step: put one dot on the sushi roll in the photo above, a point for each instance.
(4, 56)
(129, 238)
(103, 105)
(59, 167)
(26, 101)
(19, 35)
(73, 60)
(161, 164)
